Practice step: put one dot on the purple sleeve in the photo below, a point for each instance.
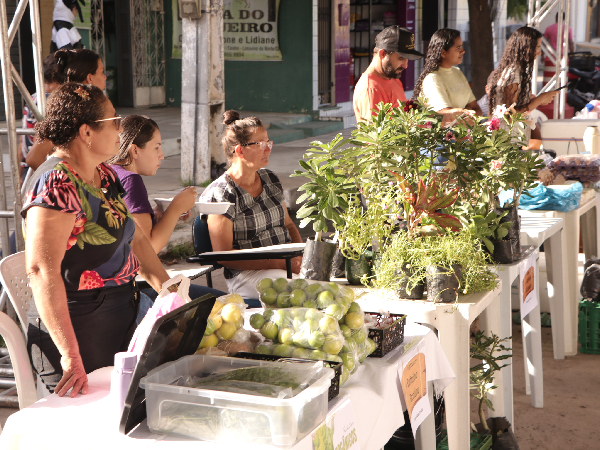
(136, 197)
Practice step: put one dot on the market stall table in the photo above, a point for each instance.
(549, 231)
(532, 342)
(453, 324)
(588, 214)
(59, 423)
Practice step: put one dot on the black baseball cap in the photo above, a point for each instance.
(400, 40)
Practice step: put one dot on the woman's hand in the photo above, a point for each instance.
(296, 264)
(546, 97)
(74, 376)
(184, 201)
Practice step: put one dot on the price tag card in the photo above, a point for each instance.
(527, 292)
(338, 432)
(413, 374)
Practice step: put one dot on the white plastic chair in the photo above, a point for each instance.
(16, 284)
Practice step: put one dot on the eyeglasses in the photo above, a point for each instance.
(117, 120)
(263, 144)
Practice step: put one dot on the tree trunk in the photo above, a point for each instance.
(481, 41)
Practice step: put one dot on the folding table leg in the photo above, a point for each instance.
(425, 435)
(557, 292)
(532, 328)
(288, 267)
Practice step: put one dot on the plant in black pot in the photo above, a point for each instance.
(490, 351)
(325, 197)
(493, 233)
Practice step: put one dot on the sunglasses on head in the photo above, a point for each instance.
(117, 121)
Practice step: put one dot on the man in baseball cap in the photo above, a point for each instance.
(394, 47)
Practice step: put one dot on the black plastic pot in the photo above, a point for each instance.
(356, 268)
(317, 261)
(443, 283)
(514, 233)
(503, 251)
(416, 293)
(339, 265)
(506, 440)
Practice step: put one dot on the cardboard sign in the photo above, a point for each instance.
(338, 432)
(414, 387)
(250, 30)
(527, 292)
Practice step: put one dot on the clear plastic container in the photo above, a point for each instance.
(228, 417)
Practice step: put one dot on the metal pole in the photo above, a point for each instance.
(3, 220)
(38, 61)
(564, 62)
(25, 93)
(14, 26)
(9, 108)
(559, 58)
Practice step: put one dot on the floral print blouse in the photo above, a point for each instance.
(99, 249)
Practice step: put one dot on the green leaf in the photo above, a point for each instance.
(94, 234)
(305, 211)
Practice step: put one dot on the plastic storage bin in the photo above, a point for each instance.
(227, 417)
(589, 327)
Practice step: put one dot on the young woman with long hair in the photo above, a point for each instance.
(512, 80)
(444, 85)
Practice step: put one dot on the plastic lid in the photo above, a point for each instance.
(174, 335)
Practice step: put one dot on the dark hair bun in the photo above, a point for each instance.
(230, 116)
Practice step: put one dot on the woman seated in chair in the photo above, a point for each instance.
(259, 216)
(140, 153)
(82, 248)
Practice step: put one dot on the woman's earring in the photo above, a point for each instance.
(90, 144)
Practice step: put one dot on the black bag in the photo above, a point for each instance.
(590, 286)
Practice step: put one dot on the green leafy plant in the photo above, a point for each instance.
(489, 350)
(180, 251)
(487, 226)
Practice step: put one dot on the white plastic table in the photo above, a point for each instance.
(453, 324)
(90, 422)
(588, 216)
(532, 343)
(549, 231)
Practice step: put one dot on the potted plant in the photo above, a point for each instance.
(490, 350)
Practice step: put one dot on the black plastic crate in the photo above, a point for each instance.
(388, 338)
(334, 389)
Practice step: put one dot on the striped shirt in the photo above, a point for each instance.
(257, 221)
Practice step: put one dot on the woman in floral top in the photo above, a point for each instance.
(82, 249)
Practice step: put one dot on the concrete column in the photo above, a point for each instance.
(202, 93)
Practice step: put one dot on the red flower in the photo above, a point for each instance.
(90, 279)
(78, 228)
(409, 104)
(494, 124)
(449, 136)
(496, 165)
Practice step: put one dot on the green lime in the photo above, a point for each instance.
(210, 327)
(280, 285)
(264, 284)
(324, 299)
(269, 296)
(316, 339)
(283, 300)
(256, 321)
(269, 330)
(297, 297)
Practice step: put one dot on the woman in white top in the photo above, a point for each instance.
(444, 85)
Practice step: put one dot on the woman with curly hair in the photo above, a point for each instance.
(511, 81)
(444, 85)
(83, 249)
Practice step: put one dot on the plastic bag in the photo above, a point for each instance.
(284, 293)
(563, 199)
(225, 323)
(164, 304)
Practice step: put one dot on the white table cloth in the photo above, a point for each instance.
(56, 423)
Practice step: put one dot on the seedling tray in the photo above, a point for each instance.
(388, 338)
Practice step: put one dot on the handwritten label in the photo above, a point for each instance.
(414, 387)
(338, 432)
(528, 292)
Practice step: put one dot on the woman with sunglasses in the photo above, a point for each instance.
(258, 216)
(82, 249)
(140, 153)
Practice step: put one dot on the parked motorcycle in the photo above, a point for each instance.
(584, 79)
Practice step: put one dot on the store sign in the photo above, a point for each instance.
(528, 293)
(250, 30)
(414, 387)
(338, 432)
